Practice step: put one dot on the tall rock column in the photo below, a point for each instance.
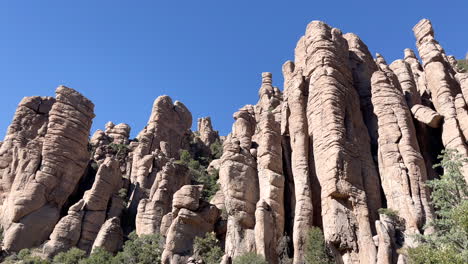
(207, 134)
(20, 152)
(166, 133)
(239, 182)
(269, 213)
(443, 87)
(362, 66)
(296, 100)
(401, 165)
(34, 203)
(341, 146)
(404, 73)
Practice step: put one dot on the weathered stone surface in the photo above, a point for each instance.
(38, 197)
(296, 122)
(341, 145)
(151, 210)
(270, 178)
(187, 197)
(110, 236)
(187, 225)
(362, 66)
(162, 139)
(386, 240)
(426, 115)
(21, 149)
(239, 182)
(207, 134)
(401, 165)
(119, 133)
(84, 219)
(442, 86)
(67, 232)
(299, 158)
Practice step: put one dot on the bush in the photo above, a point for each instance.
(388, 212)
(216, 149)
(316, 250)
(249, 258)
(120, 150)
(25, 257)
(208, 249)
(185, 157)
(426, 254)
(462, 65)
(199, 174)
(99, 256)
(210, 184)
(448, 243)
(72, 256)
(145, 249)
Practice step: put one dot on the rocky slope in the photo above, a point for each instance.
(348, 135)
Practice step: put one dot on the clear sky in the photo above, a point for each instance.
(209, 54)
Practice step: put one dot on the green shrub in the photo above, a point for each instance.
(216, 149)
(25, 257)
(94, 165)
(123, 193)
(462, 65)
(120, 150)
(448, 243)
(389, 212)
(194, 164)
(316, 250)
(72, 256)
(210, 184)
(24, 253)
(199, 174)
(250, 258)
(99, 256)
(208, 249)
(426, 254)
(185, 157)
(145, 249)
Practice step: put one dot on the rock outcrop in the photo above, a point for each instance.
(191, 218)
(207, 134)
(55, 161)
(443, 88)
(88, 215)
(348, 135)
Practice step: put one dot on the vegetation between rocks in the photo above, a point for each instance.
(316, 250)
(448, 243)
(249, 258)
(208, 248)
(200, 175)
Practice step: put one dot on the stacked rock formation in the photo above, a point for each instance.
(356, 135)
(348, 135)
(42, 164)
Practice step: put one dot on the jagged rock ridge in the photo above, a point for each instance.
(349, 134)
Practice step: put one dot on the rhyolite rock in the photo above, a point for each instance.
(59, 155)
(347, 135)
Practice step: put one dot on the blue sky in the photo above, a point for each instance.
(208, 54)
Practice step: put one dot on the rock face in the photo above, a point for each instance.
(191, 218)
(442, 86)
(87, 216)
(401, 164)
(58, 155)
(154, 175)
(348, 135)
(355, 135)
(207, 134)
(239, 182)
